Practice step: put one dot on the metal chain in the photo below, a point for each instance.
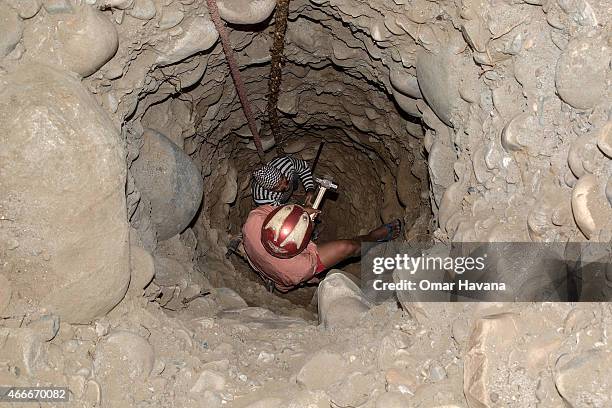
(231, 61)
(280, 27)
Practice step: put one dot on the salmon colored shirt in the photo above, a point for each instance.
(285, 273)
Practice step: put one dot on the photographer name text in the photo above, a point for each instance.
(426, 285)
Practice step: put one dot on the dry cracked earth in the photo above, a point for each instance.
(125, 169)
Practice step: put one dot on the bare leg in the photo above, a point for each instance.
(333, 252)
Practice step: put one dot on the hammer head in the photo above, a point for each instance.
(325, 183)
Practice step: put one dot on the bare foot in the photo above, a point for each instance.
(386, 232)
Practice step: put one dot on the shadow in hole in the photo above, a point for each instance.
(250, 28)
(329, 196)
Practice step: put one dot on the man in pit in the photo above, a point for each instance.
(273, 187)
(276, 182)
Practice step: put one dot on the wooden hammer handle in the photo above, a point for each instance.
(319, 198)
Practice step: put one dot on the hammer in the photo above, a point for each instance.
(324, 185)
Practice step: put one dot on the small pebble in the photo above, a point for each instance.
(265, 357)
(437, 372)
(12, 244)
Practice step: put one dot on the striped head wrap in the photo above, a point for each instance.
(267, 176)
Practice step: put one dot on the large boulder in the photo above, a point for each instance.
(321, 370)
(405, 83)
(491, 333)
(582, 71)
(88, 40)
(505, 348)
(79, 38)
(341, 302)
(168, 178)
(122, 363)
(246, 12)
(440, 76)
(198, 34)
(63, 188)
(585, 379)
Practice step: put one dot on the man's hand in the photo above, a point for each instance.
(308, 199)
(312, 212)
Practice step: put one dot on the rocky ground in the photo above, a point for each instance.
(216, 351)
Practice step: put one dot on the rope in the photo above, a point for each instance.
(280, 27)
(231, 61)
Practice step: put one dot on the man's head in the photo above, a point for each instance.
(271, 178)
